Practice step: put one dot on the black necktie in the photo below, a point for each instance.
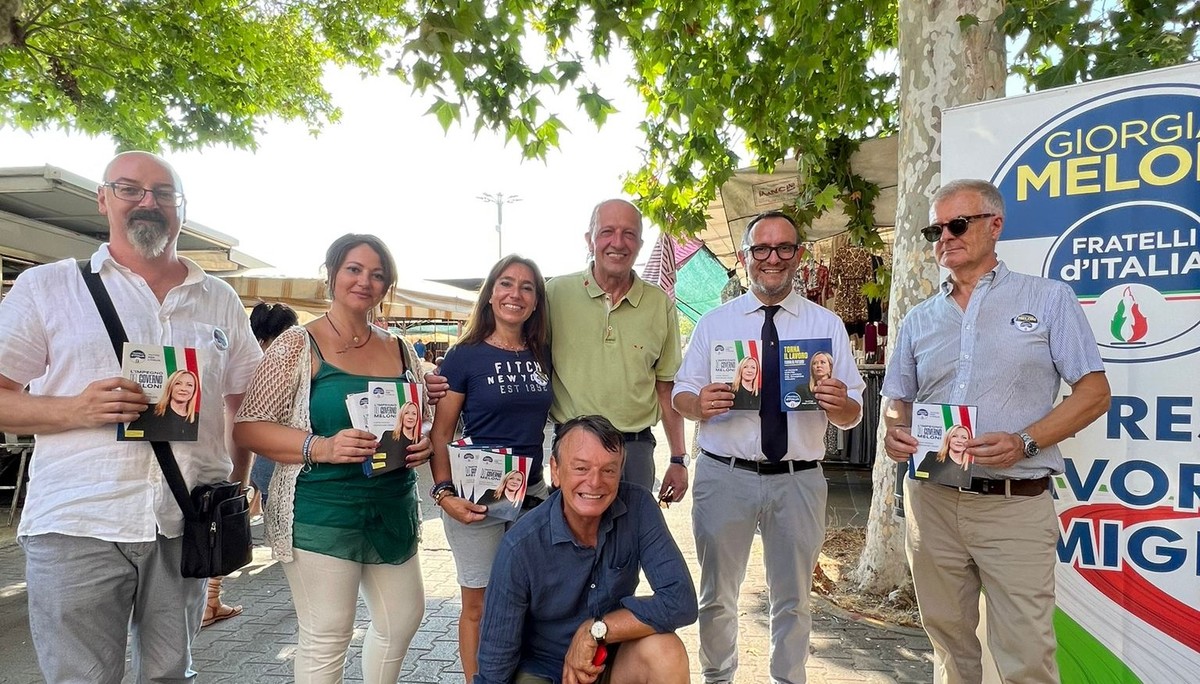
(773, 420)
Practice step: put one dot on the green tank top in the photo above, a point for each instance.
(341, 512)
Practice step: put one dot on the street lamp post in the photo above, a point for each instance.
(499, 199)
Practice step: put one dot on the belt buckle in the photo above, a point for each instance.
(968, 490)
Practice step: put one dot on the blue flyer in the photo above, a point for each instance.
(803, 364)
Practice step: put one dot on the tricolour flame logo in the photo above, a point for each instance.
(1128, 324)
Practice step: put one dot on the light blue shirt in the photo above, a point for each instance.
(739, 433)
(1007, 354)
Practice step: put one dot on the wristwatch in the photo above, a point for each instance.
(1031, 447)
(683, 460)
(599, 630)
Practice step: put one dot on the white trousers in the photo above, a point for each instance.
(325, 590)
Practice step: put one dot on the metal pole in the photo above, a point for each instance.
(499, 199)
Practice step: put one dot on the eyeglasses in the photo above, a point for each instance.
(133, 193)
(957, 225)
(763, 252)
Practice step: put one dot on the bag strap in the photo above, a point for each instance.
(116, 335)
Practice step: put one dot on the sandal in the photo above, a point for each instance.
(214, 610)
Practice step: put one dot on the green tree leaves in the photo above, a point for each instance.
(1067, 42)
(718, 79)
(723, 78)
(184, 73)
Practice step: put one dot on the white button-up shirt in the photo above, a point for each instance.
(85, 482)
(739, 433)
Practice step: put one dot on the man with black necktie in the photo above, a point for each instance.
(760, 471)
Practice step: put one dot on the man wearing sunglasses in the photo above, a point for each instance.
(759, 471)
(1001, 341)
(101, 531)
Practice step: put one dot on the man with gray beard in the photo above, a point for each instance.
(101, 530)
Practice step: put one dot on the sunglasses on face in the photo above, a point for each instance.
(957, 225)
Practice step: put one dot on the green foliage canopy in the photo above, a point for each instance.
(183, 73)
(807, 79)
(796, 79)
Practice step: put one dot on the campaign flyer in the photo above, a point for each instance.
(501, 483)
(170, 378)
(467, 463)
(359, 407)
(803, 364)
(942, 432)
(394, 417)
(739, 363)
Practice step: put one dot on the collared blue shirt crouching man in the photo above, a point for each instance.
(563, 582)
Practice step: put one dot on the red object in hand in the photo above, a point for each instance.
(601, 654)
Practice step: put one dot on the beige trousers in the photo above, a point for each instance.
(959, 543)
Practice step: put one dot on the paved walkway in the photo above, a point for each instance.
(258, 645)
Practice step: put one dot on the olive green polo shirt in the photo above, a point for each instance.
(607, 359)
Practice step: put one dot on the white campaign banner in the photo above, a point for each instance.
(1102, 189)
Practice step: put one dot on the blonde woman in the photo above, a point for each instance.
(408, 424)
(819, 368)
(746, 383)
(173, 418)
(952, 456)
(510, 490)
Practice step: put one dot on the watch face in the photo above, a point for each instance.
(1031, 447)
(599, 630)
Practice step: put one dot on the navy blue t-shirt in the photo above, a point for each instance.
(507, 397)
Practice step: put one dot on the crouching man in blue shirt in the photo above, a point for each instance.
(563, 580)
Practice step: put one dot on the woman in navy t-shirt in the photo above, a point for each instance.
(499, 376)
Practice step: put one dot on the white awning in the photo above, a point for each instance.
(420, 300)
(750, 193)
(48, 214)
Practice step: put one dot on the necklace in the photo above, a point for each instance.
(497, 342)
(349, 345)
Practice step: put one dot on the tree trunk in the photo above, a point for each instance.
(9, 9)
(941, 65)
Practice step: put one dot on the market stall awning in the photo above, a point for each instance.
(417, 300)
(47, 214)
(750, 193)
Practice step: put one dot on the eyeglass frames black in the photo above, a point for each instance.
(763, 252)
(957, 225)
(133, 193)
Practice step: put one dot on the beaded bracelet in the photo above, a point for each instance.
(306, 451)
(438, 489)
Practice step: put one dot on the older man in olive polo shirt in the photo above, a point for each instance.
(615, 347)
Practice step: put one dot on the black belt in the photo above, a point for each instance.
(763, 467)
(639, 436)
(982, 485)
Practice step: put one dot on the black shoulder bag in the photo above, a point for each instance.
(216, 517)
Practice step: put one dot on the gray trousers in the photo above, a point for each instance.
(86, 596)
(788, 510)
(639, 463)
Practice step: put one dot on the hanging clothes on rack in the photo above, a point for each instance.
(852, 268)
(814, 282)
